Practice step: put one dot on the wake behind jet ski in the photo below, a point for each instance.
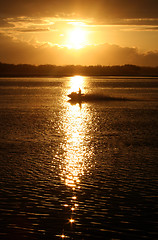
(78, 97)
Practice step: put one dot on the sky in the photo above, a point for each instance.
(85, 32)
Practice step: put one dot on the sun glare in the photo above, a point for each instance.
(77, 38)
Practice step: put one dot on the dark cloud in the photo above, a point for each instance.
(33, 30)
(134, 21)
(12, 50)
(4, 23)
(86, 8)
(105, 54)
(151, 28)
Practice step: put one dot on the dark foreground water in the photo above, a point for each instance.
(82, 171)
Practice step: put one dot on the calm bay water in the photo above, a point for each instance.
(78, 171)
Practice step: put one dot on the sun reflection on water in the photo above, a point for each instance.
(76, 155)
(74, 149)
(76, 82)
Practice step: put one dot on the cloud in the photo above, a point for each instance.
(4, 23)
(19, 52)
(152, 28)
(33, 30)
(133, 21)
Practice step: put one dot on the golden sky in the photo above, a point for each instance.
(85, 32)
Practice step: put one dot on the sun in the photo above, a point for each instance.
(77, 38)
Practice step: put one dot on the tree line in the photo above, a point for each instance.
(28, 70)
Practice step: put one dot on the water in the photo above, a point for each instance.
(82, 171)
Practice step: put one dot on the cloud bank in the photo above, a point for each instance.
(105, 54)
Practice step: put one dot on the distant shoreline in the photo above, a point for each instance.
(65, 76)
(27, 70)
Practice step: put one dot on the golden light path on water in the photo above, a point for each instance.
(76, 120)
(75, 149)
(76, 82)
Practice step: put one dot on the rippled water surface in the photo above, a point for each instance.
(78, 171)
